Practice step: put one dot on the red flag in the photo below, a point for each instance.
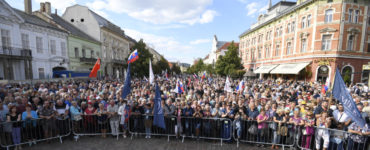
(95, 70)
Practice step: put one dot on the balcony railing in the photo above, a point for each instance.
(118, 61)
(88, 60)
(14, 51)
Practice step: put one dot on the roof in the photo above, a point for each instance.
(220, 44)
(71, 28)
(286, 3)
(32, 19)
(206, 56)
(283, 13)
(226, 45)
(107, 24)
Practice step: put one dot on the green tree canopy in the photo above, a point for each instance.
(230, 64)
(140, 67)
(161, 65)
(175, 69)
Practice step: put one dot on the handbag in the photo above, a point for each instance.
(283, 130)
(253, 130)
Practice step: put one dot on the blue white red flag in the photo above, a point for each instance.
(133, 57)
(179, 87)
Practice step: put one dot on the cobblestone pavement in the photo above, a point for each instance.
(139, 143)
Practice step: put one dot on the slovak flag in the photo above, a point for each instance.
(241, 86)
(179, 87)
(166, 75)
(204, 75)
(133, 57)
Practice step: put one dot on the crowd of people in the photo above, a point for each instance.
(283, 108)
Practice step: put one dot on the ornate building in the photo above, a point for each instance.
(308, 39)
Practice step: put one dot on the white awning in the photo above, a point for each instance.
(289, 68)
(265, 69)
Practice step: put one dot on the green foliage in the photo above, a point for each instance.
(160, 66)
(230, 64)
(140, 67)
(175, 69)
(347, 77)
(200, 66)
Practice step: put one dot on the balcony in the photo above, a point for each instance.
(87, 60)
(118, 61)
(15, 52)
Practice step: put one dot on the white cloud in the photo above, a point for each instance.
(172, 49)
(263, 9)
(61, 5)
(160, 11)
(251, 8)
(200, 41)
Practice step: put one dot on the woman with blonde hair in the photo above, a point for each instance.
(279, 119)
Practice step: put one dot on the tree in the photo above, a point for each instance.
(160, 66)
(230, 64)
(197, 67)
(175, 69)
(140, 67)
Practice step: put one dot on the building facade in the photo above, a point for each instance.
(211, 58)
(115, 44)
(308, 39)
(31, 48)
(83, 50)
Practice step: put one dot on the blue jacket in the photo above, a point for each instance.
(27, 121)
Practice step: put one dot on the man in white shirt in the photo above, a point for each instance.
(341, 118)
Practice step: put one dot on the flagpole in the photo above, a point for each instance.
(331, 89)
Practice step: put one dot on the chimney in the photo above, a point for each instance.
(28, 6)
(48, 8)
(42, 7)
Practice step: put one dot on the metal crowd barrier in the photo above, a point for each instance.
(269, 133)
(143, 125)
(206, 128)
(90, 125)
(331, 139)
(31, 131)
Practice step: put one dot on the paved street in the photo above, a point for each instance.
(97, 143)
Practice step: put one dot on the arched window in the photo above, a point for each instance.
(347, 74)
(303, 22)
(322, 74)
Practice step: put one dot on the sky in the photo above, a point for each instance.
(180, 30)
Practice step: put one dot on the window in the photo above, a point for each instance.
(288, 28)
(39, 45)
(326, 42)
(267, 53)
(308, 20)
(25, 41)
(277, 50)
(329, 1)
(293, 26)
(91, 54)
(328, 15)
(53, 47)
(350, 12)
(259, 53)
(357, 13)
(303, 22)
(350, 43)
(253, 54)
(355, 1)
(63, 48)
(281, 31)
(288, 48)
(83, 53)
(368, 47)
(77, 52)
(41, 73)
(5, 38)
(303, 45)
(368, 20)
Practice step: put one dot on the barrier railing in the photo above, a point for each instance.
(266, 133)
(206, 128)
(89, 125)
(331, 139)
(143, 125)
(31, 131)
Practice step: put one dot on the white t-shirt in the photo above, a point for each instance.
(340, 117)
